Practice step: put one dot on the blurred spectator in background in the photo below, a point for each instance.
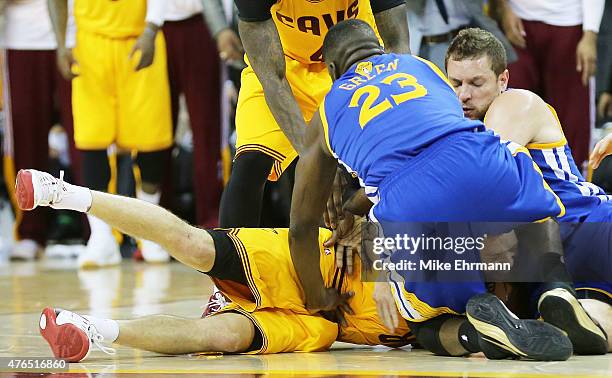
(120, 96)
(35, 98)
(604, 65)
(194, 71)
(556, 45)
(221, 18)
(434, 23)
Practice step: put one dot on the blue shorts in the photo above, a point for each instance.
(588, 251)
(466, 177)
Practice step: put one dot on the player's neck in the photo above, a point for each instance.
(359, 56)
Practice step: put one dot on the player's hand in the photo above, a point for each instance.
(604, 107)
(602, 149)
(347, 240)
(586, 56)
(333, 212)
(385, 305)
(145, 44)
(513, 28)
(229, 46)
(333, 304)
(66, 63)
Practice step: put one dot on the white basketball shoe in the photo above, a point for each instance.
(35, 188)
(153, 252)
(26, 250)
(102, 250)
(70, 335)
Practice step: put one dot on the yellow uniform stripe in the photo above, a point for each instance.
(436, 70)
(559, 143)
(546, 186)
(325, 126)
(595, 289)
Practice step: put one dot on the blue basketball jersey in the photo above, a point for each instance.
(563, 176)
(384, 111)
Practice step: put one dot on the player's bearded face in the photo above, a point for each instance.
(475, 84)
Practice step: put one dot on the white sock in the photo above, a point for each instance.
(150, 198)
(108, 328)
(75, 197)
(98, 226)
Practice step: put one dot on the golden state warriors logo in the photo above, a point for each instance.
(364, 69)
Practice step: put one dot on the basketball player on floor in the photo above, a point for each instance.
(247, 265)
(395, 122)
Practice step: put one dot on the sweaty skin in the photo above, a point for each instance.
(517, 114)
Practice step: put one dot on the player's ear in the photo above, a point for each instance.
(503, 79)
(331, 68)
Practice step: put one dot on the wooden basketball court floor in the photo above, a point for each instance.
(137, 289)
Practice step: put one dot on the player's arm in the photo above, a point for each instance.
(525, 123)
(265, 52)
(146, 41)
(58, 12)
(314, 176)
(392, 24)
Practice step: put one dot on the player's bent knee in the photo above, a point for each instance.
(193, 247)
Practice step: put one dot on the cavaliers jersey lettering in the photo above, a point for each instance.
(302, 25)
(384, 111)
(111, 18)
(562, 175)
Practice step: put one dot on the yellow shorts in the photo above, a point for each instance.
(112, 103)
(272, 279)
(365, 326)
(286, 331)
(256, 128)
(274, 299)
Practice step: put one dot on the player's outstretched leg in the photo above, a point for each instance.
(561, 308)
(190, 245)
(72, 336)
(502, 334)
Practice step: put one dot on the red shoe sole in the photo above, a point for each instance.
(24, 190)
(67, 341)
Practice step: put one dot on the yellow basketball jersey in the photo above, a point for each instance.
(111, 18)
(302, 24)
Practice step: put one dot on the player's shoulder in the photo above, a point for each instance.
(524, 96)
(520, 102)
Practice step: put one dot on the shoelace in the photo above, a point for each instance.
(219, 302)
(54, 186)
(97, 339)
(59, 191)
(216, 303)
